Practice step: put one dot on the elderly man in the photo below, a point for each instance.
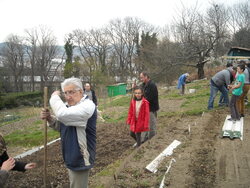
(76, 121)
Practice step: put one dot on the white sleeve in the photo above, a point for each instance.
(77, 115)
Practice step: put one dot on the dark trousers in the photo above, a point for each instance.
(137, 137)
(233, 107)
(182, 92)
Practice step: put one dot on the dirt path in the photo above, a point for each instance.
(203, 160)
(233, 157)
(169, 129)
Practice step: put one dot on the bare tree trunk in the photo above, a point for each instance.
(201, 73)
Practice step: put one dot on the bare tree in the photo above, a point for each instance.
(31, 50)
(124, 35)
(239, 24)
(84, 42)
(13, 54)
(116, 34)
(198, 35)
(217, 18)
(239, 16)
(101, 46)
(45, 51)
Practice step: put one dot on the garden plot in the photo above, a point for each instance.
(203, 159)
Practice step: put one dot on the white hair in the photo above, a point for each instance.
(72, 81)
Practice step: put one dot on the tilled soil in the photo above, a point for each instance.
(203, 160)
(113, 141)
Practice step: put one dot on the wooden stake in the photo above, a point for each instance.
(45, 98)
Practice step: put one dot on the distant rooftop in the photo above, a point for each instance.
(238, 53)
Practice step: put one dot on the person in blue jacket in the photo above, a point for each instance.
(182, 82)
(76, 122)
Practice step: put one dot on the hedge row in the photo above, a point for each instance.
(11, 100)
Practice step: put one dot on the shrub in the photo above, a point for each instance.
(11, 100)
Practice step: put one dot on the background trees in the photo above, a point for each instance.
(14, 60)
(68, 68)
(30, 59)
(201, 36)
(120, 50)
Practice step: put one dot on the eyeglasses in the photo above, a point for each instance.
(70, 92)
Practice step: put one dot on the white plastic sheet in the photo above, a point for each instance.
(152, 167)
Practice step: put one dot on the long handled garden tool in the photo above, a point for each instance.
(45, 97)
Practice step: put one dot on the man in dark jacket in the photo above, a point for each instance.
(90, 92)
(76, 121)
(151, 94)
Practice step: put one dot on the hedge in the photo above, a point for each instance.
(11, 100)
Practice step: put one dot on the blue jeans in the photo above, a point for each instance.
(222, 100)
(213, 91)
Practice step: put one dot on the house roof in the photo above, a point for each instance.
(236, 52)
(240, 48)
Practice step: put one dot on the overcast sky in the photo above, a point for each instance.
(63, 16)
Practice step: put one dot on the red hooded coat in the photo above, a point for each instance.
(142, 123)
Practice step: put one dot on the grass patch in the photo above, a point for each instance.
(193, 112)
(99, 186)
(194, 104)
(8, 122)
(115, 101)
(29, 138)
(22, 113)
(110, 169)
(38, 122)
(115, 114)
(168, 114)
(143, 184)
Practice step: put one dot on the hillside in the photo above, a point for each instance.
(203, 159)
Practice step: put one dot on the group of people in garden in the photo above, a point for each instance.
(75, 118)
(236, 80)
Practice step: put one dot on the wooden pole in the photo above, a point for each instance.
(45, 97)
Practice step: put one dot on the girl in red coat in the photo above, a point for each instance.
(138, 115)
